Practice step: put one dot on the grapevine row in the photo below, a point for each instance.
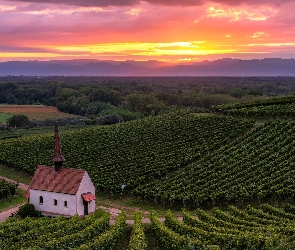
(239, 229)
(259, 165)
(131, 153)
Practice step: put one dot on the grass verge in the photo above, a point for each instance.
(15, 175)
(13, 201)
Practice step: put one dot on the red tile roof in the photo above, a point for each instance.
(66, 180)
(88, 196)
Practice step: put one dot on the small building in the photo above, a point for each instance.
(57, 191)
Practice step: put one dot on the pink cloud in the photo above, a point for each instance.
(105, 3)
(27, 25)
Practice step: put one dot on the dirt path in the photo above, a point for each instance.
(20, 185)
(5, 214)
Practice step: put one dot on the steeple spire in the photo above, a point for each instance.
(58, 158)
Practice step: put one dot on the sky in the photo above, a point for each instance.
(175, 31)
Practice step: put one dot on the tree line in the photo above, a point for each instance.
(135, 97)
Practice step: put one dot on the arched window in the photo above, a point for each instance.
(40, 200)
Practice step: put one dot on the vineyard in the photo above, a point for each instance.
(276, 107)
(16, 133)
(61, 233)
(258, 166)
(264, 227)
(34, 112)
(130, 153)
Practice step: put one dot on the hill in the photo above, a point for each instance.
(222, 67)
(131, 153)
(258, 166)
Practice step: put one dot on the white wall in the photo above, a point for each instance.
(48, 206)
(85, 186)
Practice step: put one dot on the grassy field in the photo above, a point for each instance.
(34, 112)
(15, 175)
(4, 117)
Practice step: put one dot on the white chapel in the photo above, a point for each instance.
(57, 191)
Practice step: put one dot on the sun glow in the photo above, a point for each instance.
(146, 49)
(144, 30)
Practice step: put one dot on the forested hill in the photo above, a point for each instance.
(222, 67)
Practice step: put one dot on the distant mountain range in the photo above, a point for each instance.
(221, 67)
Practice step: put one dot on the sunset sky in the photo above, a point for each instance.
(165, 30)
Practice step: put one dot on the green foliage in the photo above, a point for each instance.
(276, 107)
(9, 133)
(109, 119)
(137, 238)
(259, 165)
(288, 208)
(173, 240)
(126, 114)
(128, 153)
(73, 234)
(264, 227)
(95, 108)
(147, 104)
(110, 238)
(243, 229)
(18, 121)
(27, 210)
(4, 117)
(7, 189)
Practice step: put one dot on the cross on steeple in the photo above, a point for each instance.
(58, 158)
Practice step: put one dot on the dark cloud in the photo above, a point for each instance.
(105, 3)
(84, 3)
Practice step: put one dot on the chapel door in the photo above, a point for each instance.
(85, 203)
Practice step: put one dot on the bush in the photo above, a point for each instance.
(18, 121)
(27, 210)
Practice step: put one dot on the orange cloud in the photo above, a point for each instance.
(160, 30)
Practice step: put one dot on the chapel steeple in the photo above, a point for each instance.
(58, 158)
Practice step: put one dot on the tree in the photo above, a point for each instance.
(18, 121)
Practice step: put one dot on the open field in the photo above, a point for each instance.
(34, 112)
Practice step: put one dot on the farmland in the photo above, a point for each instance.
(224, 167)
(34, 112)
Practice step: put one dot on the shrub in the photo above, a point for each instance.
(27, 210)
